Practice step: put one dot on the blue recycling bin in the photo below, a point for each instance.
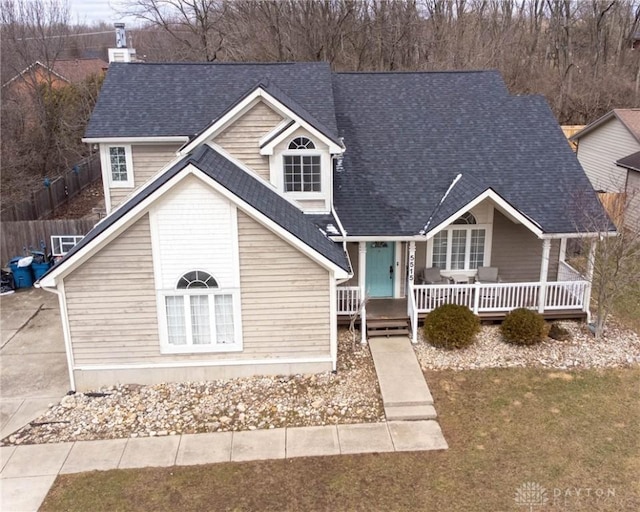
(39, 269)
(22, 276)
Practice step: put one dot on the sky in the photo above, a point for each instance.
(89, 11)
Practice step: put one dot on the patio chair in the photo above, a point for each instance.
(487, 275)
(432, 275)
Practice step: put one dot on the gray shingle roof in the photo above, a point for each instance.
(631, 161)
(244, 186)
(409, 134)
(161, 100)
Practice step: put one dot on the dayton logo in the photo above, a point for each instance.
(531, 494)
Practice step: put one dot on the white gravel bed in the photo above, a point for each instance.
(619, 347)
(350, 396)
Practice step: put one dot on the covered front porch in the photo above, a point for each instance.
(532, 273)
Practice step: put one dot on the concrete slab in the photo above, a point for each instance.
(24, 494)
(29, 410)
(142, 452)
(391, 344)
(258, 445)
(417, 435)
(41, 335)
(13, 318)
(8, 408)
(34, 376)
(5, 454)
(312, 441)
(407, 390)
(6, 335)
(36, 460)
(204, 448)
(94, 455)
(410, 412)
(364, 438)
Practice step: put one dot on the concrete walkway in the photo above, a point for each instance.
(27, 472)
(33, 363)
(405, 394)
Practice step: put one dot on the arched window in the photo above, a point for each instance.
(199, 315)
(465, 218)
(302, 171)
(302, 143)
(461, 246)
(196, 279)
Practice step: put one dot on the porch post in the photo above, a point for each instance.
(411, 264)
(591, 263)
(544, 270)
(362, 284)
(563, 250)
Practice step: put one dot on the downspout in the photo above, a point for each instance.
(65, 329)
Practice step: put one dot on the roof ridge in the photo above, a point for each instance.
(425, 72)
(217, 63)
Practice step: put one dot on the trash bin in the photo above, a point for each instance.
(39, 269)
(21, 271)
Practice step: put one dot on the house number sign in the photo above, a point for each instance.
(412, 265)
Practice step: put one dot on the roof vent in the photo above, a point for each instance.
(332, 230)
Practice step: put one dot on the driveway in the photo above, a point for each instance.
(33, 364)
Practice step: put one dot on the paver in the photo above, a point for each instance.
(36, 460)
(417, 435)
(142, 452)
(312, 441)
(24, 494)
(204, 448)
(364, 438)
(258, 445)
(94, 455)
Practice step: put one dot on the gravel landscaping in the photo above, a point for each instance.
(350, 396)
(619, 347)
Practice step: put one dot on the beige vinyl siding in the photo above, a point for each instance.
(241, 139)
(517, 252)
(111, 301)
(147, 160)
(632, 217)
(600, 149)
(285, 295)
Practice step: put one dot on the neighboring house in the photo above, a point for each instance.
(631, 164)
(61, 72)
(603, 142)
(253, 206)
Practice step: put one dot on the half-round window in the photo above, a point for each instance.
(196, 279)
(301, 143)
(466, 218)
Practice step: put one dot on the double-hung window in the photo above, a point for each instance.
(461, 246)
(301, 166)
(200, 316)
(119, 166)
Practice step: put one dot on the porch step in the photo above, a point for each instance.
(387, 327)
(410, 412)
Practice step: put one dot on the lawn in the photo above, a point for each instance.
(570, 432)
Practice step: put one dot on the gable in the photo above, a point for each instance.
(242, 139)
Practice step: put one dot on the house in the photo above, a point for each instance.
(600, 145)
(60, 73)
(631, 164)
(253, 206)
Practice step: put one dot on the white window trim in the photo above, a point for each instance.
(301, 193)
(106, 165)
(168, 348)
(470, 272)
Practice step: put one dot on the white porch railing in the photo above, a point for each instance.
(348, 300)
(503, 297)
(412, 312)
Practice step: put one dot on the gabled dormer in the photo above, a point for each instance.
(268, 134)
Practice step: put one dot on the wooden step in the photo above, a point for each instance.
(379, 324)
(387, 332)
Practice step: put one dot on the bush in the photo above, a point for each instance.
(557, 332)
(523, 327)
(451, 326)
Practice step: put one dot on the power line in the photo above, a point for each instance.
(66, 35)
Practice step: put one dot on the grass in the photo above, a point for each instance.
(563, 430)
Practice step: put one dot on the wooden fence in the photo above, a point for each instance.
(15, 236)
(615, 204)
(43, 202)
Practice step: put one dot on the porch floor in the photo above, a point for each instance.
(387, 309)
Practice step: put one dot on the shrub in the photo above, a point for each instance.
(557, 332)
(523, 327)
(451, 326)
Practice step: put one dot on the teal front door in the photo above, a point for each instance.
(380, 269)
